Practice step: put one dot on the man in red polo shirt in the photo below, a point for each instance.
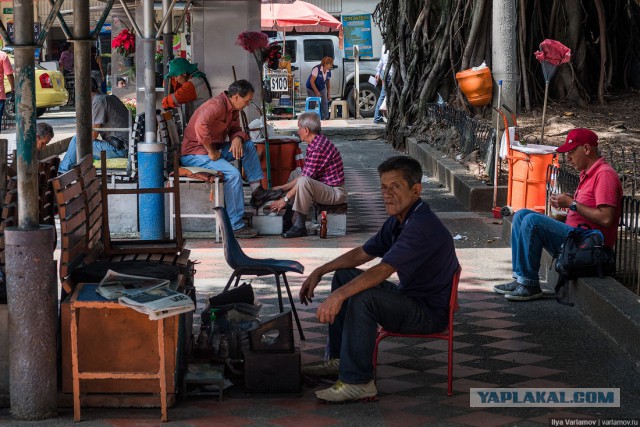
(597, 203)
(321, 180)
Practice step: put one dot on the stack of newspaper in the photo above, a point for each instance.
(144, 294)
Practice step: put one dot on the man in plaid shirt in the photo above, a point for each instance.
(321, 180)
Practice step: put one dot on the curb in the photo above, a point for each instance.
(474, 195)
(605, 302)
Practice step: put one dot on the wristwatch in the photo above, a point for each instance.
(573, 206)
(285, 198)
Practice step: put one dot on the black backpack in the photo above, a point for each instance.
(583, 254)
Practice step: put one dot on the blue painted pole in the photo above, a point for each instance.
(151, 152)
(151, 206)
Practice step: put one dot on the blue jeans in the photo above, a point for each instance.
(352, 335)
(383, 93)
(233, 195)
(71, 158)
(530, 233)
(2, 102)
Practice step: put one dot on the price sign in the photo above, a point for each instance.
(279, 84)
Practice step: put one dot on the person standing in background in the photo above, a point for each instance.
(381, 70)
(190, 87)
(319, 84)
(6, 70)
(66, 59)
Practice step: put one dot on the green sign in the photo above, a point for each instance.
(7, 10)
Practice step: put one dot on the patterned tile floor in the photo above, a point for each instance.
(498, 343)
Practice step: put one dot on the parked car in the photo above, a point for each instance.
(306, 51)
(50, 91)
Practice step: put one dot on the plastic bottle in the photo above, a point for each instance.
(215, 333)
(323, 225)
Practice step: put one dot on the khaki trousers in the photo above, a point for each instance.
(310, 191)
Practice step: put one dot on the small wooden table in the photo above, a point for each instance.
(85, 297)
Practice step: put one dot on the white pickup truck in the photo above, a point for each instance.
(306, 51)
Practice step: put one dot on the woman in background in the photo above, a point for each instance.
(319, 84)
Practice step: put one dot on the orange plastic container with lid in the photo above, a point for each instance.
(528, 180)
(476, 85)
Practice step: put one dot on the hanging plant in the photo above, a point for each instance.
(124, 43)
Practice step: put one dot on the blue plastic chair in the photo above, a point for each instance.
(244, 265)
(309, 106)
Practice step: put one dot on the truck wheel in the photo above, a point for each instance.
(369, 95)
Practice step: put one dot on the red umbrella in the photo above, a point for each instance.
(552, 53)
(286, 17)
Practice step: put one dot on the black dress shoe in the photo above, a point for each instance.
(287, 218)
(295, 231)
(260, 196)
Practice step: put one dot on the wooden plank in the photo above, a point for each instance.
(66, 179)
(71, 208)
(72, 253)
(69, 224)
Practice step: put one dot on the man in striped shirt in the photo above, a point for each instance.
(321, 180)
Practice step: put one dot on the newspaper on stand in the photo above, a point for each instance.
(115, 285)
(159, 303)
(147, 295)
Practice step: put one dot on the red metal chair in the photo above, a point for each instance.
(447, 334)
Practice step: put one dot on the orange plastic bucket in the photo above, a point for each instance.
(528, 183)
(476, 85)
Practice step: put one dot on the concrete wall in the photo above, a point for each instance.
(216, 26)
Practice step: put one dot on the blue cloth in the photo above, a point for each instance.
(530, 232)
(71, 159)
(233, 195)
(324, 102)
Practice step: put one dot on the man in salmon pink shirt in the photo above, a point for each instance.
(596, 203)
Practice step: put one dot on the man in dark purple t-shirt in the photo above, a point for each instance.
(413, 243)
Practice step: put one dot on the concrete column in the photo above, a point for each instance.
(33, 312)
(82, 74)
(151, 152)
(504, 51)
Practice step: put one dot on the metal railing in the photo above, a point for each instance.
(565, 179)
(474, 136)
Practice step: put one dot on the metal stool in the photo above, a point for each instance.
(344, 109)
(309, 105)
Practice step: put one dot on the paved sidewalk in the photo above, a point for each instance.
(498, 343)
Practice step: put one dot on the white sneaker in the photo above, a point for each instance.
(342, 392)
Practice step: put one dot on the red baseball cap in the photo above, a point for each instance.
(578, 137)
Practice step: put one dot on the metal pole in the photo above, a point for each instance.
(82, 74)
(134, 24)
(356, 58)
(167, 42)
(29, 253)
(151, 152)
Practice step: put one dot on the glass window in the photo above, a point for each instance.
(315, 50)
(290, 49)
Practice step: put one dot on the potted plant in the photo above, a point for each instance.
(125, 45)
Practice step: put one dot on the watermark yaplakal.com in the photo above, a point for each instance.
(544, 397)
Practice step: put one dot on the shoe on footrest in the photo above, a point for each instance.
(342, 392)
(260, 196)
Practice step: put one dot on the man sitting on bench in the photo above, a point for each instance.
(321, 180)
(214, 137)
(107, 111)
